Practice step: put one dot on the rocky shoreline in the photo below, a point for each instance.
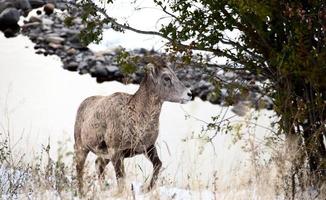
(52, 37)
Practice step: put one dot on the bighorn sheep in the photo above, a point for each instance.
(122, 125)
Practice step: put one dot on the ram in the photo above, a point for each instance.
(122, 125)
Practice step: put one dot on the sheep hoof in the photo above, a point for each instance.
(117, 192)
(145, 189)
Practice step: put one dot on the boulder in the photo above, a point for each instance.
(9, 17)
(71, 51)
(37, 3)
(47, 22)
(54, 39)
(11, 31)
(73, 66)
(6, 4)
(98, 70)
(33, 19)
(112, 69)
(49, 8)
(31, 25)
(38, 12)
(59, 4)
(19, 4)
(23, 5)
(55, 45)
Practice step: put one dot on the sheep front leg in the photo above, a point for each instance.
(152, 155)
(120, 173)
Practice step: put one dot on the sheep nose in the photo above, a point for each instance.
(190, 95)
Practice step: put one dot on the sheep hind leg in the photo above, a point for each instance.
(81, 155)
(100, 164)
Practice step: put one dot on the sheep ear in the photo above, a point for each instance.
(150, 69)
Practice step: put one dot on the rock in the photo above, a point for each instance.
(8, 22)
(142, 51)
(59, 26)
(50, 51)
(61, 6)
(46, 28)
(214, 98)
(77, 20)
(203, 85)
(204, 76)
(98, 70)
(71, 51)
(52, 34)
(37, 46)
(55, 46)
(40, 51)
(47, 22)
(268, 103)
(49, 8)
(79, 58)
(99, 56)
(70, 32)
(74, 41)
(241, 108)
(83, 67)
(112, 69)
(6, 4)
(33, 35)
(38, 12)
(55, 39)
(37, 3)
(11, 32)
(34, 19)
(119, 76)
(31, 24)
(9, 17)
(23, 5)
(229, 75)
(73, 66)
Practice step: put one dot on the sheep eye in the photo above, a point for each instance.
(166, 78)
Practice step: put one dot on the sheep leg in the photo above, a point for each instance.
(152, 155)
(100, 164)
(81, 155)
(119, 172)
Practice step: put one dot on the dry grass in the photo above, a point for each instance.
(258, 177)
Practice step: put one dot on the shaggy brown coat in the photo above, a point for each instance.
(122, 125)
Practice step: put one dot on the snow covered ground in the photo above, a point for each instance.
(38, 105)
(39, 100)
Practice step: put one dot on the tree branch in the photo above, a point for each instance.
(247, 29)
(216, 51)
(167, 12)
(127, 27)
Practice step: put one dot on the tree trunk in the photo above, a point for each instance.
(313, 133)
(316, 152)
(303, 114)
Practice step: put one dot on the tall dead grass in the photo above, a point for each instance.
(259, 176)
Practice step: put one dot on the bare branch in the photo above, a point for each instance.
(167, 12)
(127, 27)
